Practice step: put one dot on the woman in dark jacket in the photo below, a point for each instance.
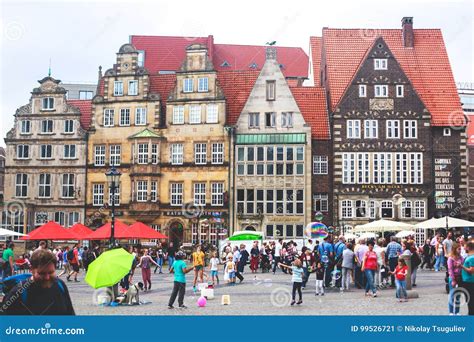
(426, 250)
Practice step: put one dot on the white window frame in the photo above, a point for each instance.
(68, 126)
(44, 185)
(217, 194)
(118, 88)
(363, 168)
(446, 132)
(407, 204)
(124, 117)
(99, 155)
(47, 103)
(347, 209)
(133, 87)
(67, 185)
(393, 129)
(323, 200)
(386, 204)
(410, 129)
(176, 194)
(44, 149)
(272, 119)
(212, 113)
(115, 152)
(217, 153)
(177, 154)
(353, 129)
(199, 194)
(142, 153)
(23, 125)
(287, 119)
(188, 85)
(178, 115)
(371, 129)
(69, 151)
(195, 114)
(154, 154)
(320, 165)
(381, 90)
(97, 194)
(142, 191)
(203, 84)
(140, 116)
(380, 64)
(362, 90)
(200, 153)
(254, 120)
(348, 168)
(21, 185)
(154, 191)
(48, 131)
(109, 117)
(23, 151)
(400, 90)
(420, 210)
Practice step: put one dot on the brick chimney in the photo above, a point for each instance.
(407, 31)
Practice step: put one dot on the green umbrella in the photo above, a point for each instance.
(109, 268)
(245, 237)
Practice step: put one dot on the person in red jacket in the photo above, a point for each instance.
(400, 273)
(369, 267)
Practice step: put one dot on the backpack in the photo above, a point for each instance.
(70, 254)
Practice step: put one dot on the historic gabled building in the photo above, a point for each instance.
(271, 161)
(124, 133)
(195, 154)
(45, 160)
(398, 129)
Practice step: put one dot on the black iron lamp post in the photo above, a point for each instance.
(113, 177)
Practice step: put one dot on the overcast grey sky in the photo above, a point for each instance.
(79, 36)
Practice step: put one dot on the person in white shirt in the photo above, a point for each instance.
(213, 267)
(380, 251)
(278, 248)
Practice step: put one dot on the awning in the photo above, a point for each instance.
(278, 138)
(51, 231)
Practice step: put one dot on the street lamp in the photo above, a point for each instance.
(113, 177)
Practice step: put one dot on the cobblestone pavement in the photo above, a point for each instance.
(269, 294)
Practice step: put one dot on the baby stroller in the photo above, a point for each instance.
(265, 263)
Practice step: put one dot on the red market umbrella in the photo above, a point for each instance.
(81, 230)
(139, 230)
(103, 233)
(51, 231)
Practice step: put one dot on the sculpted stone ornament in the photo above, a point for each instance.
(381, 104)
(24, 110)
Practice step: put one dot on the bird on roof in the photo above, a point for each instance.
(271, 43)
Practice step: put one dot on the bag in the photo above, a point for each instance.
(70, 255)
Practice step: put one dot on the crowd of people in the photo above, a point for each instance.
(337, 264)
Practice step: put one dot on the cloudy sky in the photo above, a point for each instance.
(78, 36)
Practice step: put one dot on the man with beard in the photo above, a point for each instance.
(42, 294)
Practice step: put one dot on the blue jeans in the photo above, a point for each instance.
(440, 261)
(370, 274)
(170, 262)
(401, 288)
(305, 276)
(454, 300)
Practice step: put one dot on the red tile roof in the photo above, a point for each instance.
(236, 86)
(164, 53)
(426, 65)
(315, 44)
(85, 106)
(163, 85)
(101, 86)
(293, 60)
(312, 104)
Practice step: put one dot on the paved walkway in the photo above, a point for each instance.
(270, 295)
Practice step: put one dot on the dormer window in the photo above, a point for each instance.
(380, 64)
(203, 84)
(118, 88)
(225, 64)
(253, 65)
(48, 103)
(141, 58)
(188, 85)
